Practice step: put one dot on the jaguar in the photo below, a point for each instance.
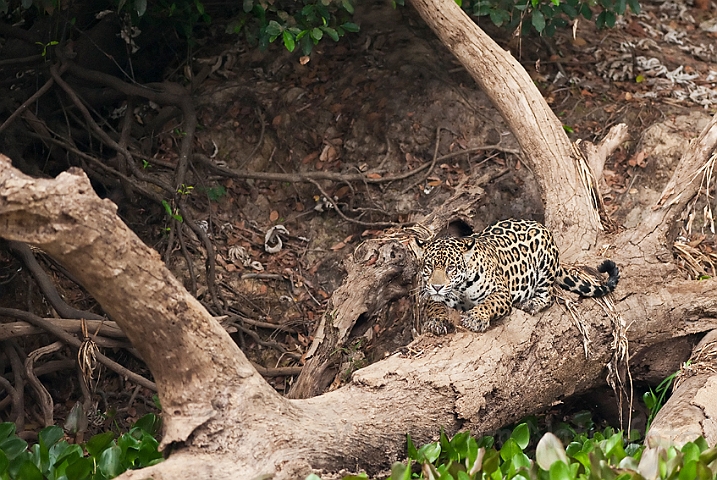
(512, 263)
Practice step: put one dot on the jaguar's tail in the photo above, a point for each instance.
(588, 283)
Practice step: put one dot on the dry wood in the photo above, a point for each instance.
(223, 418)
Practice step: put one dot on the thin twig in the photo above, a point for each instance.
(43, 396)
(46, 286)
(33, 98)
(76, 342)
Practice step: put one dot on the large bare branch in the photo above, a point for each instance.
(568, 207)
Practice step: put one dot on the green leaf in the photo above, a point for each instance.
(509, 449)
(586, 11)
(331, 33)
(411, 448)
(80, 469)
(399, 471)
(549, 451)
(569, 10)
(50, 436)
(348, 6)
(691, 452)
(538, 20)
(98, 443)
(289, 42)
(247, 5)
(521, 460)
(4, 462)
(521, 435)
(6, 429)
(65, 452)
(560, 471)
(109, 462)
(316, 34)
(708, 455)
(688, 470)
(429, 452)
(459, 444)
(350, 27)
(459, 3)
(600, 20)
(13, 446)
(613, 446)
(634, 6)
(28, 471)
(140, 6)
(200, 7)
(498, 17)
(610, 19)
(491, 462)
(149, 423)
(273, 29)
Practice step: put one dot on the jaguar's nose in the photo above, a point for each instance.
(437, 288)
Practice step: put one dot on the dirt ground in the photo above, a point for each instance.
(391, 99)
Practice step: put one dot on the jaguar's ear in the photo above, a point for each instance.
(468, 242)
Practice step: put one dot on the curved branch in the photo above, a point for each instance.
(568, 207)
(46, 286)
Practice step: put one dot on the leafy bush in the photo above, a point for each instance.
(546, 16)
(304, 23)
(103, 456)
(604, 456)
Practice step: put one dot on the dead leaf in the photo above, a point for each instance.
(373, 176)
(274, 216)
(338, 246)
(310, 158)
(638, 160)
(328, 154)
(341, 192)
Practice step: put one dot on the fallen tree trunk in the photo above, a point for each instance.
(222, 418)
(216, 405)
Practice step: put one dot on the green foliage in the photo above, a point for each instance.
(303, 23)
(654, 400)
(607, 455)
(172, 213)
(103, 456)
(184, 15)
(546, 16)
(216, 193)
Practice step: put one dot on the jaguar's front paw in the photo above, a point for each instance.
(437, 326)
(437, 318)
(475, 322)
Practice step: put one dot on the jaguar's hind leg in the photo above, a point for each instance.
(541, 300)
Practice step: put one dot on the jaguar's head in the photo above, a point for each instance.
(444, 266)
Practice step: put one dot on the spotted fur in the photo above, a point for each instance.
(510, 263)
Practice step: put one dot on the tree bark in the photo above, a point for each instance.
(221, 417)
(538, 131)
